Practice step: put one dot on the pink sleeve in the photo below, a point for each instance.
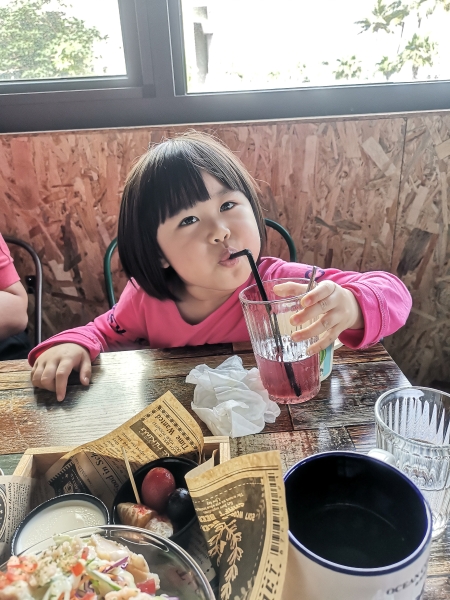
(8, 273)
(121, 328)
(384, 300)
(385, 303)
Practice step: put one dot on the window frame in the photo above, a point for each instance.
(154, 91)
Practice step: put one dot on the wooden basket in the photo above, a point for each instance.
(36, 461)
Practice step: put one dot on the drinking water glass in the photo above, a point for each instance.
(412, 423)
(287, 372)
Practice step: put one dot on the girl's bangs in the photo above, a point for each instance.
(177, 185)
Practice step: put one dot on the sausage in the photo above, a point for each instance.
(136, 515)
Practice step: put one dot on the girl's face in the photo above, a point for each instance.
(197, 241)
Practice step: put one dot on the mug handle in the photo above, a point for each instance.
(383, 456)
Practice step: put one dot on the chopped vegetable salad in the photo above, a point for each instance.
(80, 569)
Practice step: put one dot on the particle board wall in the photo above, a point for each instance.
(356, 194)
(421, 249)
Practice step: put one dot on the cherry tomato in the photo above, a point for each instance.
(77, 569)
(28, 565)
(15, 575)
(3, 581)
(13, 563)
(147, 587)
(156, 488)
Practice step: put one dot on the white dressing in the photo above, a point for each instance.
(59, 518)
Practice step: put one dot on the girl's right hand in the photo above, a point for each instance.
(53, 367)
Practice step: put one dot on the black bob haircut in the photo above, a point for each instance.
(164, 181)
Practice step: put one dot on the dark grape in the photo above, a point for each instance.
(180, 508)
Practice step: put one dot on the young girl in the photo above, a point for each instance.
(189, 204)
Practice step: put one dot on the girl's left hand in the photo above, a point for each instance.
(335, 308)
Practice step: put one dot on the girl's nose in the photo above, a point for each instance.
(219, 234)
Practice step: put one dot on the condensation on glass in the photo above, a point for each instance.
(59, 39)
(261, 44)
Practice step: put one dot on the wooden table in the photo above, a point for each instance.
(339, 418)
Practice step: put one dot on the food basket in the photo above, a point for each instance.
(36, 461)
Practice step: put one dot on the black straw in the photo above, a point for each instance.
(272, 318)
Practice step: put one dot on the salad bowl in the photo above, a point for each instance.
(180, 577)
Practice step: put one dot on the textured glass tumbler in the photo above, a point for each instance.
(413, 424)
(283, 364)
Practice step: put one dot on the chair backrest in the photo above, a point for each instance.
(33, 282)
(286, 235)
(113, 245)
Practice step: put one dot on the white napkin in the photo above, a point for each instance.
(230, 399)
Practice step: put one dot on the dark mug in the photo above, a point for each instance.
(358, 530)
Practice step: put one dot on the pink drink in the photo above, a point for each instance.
(275, 380)
(284, 365)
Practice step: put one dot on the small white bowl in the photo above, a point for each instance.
(58, 515)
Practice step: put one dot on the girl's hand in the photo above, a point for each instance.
(53, 367)
(335, 308)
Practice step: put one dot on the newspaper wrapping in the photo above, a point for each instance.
(164, 428)
(241, 507)
(18, 495)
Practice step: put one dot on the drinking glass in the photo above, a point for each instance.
(412, 423)
(287, 372)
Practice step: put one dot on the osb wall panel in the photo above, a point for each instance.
(333, 184)
(421, 251)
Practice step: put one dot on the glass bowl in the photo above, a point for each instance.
(179, 574)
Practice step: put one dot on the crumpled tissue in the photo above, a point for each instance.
(230, 399)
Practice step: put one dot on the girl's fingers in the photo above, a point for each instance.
(47, 379)
(85, 370)
(36, 374)
(316, 303)
(325, 323)
(290, 288)
(62, 375)
(320, 295)
(33, 370)
(331, 335)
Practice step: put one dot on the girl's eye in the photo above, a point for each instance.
(188, 221)
(227, 206)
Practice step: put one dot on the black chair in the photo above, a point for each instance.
(113, 245)
(34, 284)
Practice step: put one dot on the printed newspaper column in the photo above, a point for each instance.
(14, 506)
(164, 428)
(241, 507)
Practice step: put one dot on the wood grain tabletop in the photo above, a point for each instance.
(123, 383)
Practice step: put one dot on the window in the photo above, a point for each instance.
(72, 64)
(261, 44)
(52, 39)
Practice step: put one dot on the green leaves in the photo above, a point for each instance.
(385, 17)
(419, 51)
(37, 43)
(388, 67)
(348, 69)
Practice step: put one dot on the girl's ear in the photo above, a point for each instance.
(164, 263)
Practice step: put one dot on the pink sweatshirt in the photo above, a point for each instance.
(8, 273)
(138, 320)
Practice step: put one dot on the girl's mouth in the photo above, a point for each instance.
(225, 260)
